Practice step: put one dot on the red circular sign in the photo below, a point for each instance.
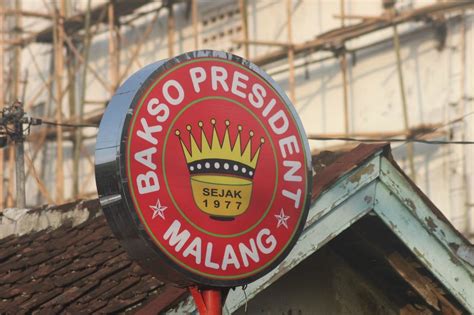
(217, 168)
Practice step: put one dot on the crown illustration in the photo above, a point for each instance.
(221, 172)
(220, 157)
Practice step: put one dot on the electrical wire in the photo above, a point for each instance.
(318, 138)
(405, 140)
(389, 140)
(53, 123)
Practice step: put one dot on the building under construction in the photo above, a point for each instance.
(355, 70)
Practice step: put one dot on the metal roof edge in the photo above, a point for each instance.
(424, 231)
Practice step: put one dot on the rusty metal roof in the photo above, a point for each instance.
(337, 164)
(84, 267)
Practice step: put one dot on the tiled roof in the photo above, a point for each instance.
(84, 268)
(80, 269)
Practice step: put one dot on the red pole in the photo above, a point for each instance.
(213, 301)
(208, 301)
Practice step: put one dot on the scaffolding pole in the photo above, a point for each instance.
(114, 47)
(194, 13)
(406, 123)
(59, 70)
(343, 65)
(245, 26)
(291, 51)
(72, 97)
(78, 132)
(467, 193)
(171, 28)
(139, 45)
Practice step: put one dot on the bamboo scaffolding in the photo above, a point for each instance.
(291, 51)
(96, 102)
(114, 50)
(261, 42)
(72, 94)
(75, 23)
(136, 61)
(39, 183)
(94, 116)
(41, 135)
(76, 53)
(59, 70)
(90, 176)
(48, 82)
(171, 29)
(343, 65)
(245, 26)
(78, 136)
(401, 83)
(337, 36)
(194, 12)
(74, 27)
(424, 131)
(359, 17)
(42, 146)
(345, 92)
(24, 13)
(39, 143)
(139, 45)
(462, 100)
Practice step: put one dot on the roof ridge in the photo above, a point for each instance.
(17, 222)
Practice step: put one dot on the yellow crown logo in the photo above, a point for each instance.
(221, 172)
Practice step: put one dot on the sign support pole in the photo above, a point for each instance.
(208, 300)
(213, 301)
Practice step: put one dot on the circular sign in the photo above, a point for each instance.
(203, 169)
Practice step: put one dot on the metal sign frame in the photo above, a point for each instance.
(113, 182)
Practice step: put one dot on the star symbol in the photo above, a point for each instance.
(158, 210)
(282, 218)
